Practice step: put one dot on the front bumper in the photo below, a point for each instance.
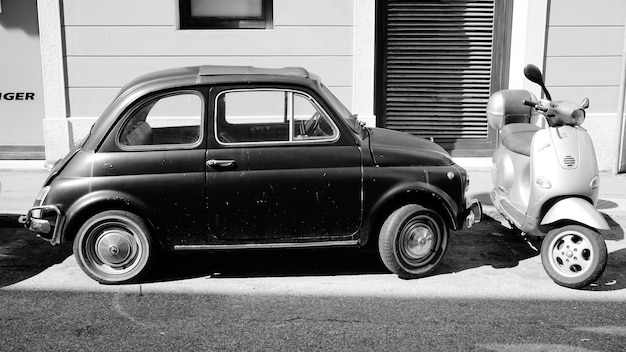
(473, 213)
(45, 221)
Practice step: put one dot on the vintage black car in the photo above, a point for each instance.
(224, 158)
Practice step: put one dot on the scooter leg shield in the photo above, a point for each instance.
(577, 210)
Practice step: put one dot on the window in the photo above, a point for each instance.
(258, 116)
(174, 119)
(226, 14)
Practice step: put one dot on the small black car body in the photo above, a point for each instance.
(226, 158)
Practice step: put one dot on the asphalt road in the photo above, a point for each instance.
(80, 321)
(489, 294)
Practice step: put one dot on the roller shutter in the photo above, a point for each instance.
(438, 67)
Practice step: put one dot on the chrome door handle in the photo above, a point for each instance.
(220, 163)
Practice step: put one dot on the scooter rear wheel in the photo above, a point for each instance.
(574, 256)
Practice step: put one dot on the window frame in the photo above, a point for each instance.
(187, 21)
(292, 141)
(129, 114)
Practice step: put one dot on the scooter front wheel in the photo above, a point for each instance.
(574, 256)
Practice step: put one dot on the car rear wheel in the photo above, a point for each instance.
(412, 241)
(114, 247)
(574, 256)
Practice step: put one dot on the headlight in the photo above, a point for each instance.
(578, 116)
(41, 196)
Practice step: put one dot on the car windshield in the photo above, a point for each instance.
(343, 111)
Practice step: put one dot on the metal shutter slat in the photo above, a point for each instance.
(438, 68)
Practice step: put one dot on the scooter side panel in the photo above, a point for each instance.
(510, 176)
(562, 164)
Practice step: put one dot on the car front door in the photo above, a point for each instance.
(280, 170)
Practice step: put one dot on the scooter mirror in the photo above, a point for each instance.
(534, 75)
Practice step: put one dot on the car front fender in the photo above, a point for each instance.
(577, 210)
(420, 193)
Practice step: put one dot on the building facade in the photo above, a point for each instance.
(424, 67)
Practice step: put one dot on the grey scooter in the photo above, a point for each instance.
(546, 180)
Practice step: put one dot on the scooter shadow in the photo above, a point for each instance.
(616, 233)
(614, 277)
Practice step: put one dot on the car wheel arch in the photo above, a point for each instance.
(425, 197)
(99, 201)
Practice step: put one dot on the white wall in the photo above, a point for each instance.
(584, 59)
(108, 43)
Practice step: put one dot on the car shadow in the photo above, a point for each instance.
(488, 243)
(22, 254)
(266, 263)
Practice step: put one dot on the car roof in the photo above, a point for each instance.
(208, 74)
(199, 74)
(214, 70)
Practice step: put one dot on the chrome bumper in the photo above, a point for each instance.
(45, 221)
(473, 213)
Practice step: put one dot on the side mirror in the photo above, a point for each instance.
(534, 75)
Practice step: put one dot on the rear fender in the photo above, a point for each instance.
(95, 202)
(575, 210)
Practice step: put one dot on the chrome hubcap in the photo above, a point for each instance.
(418, 241)
(115, 248)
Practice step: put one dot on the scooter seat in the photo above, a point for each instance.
(518, 137)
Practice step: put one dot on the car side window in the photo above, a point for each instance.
(168, 120)
(271, 116)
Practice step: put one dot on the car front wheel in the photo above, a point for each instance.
(574, 256)
(114, 247)
(412, 241)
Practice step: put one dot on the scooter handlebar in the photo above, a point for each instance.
(532, 104)
(543, 106)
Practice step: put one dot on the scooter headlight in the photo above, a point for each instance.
(578, 116)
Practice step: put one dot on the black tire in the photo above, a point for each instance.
(574, 256)
(114, 247)
(412, 241)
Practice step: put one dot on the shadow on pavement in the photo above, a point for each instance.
(488, 243)
(266, 263)
(614, 277)
(616, 233)
(22, 255)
